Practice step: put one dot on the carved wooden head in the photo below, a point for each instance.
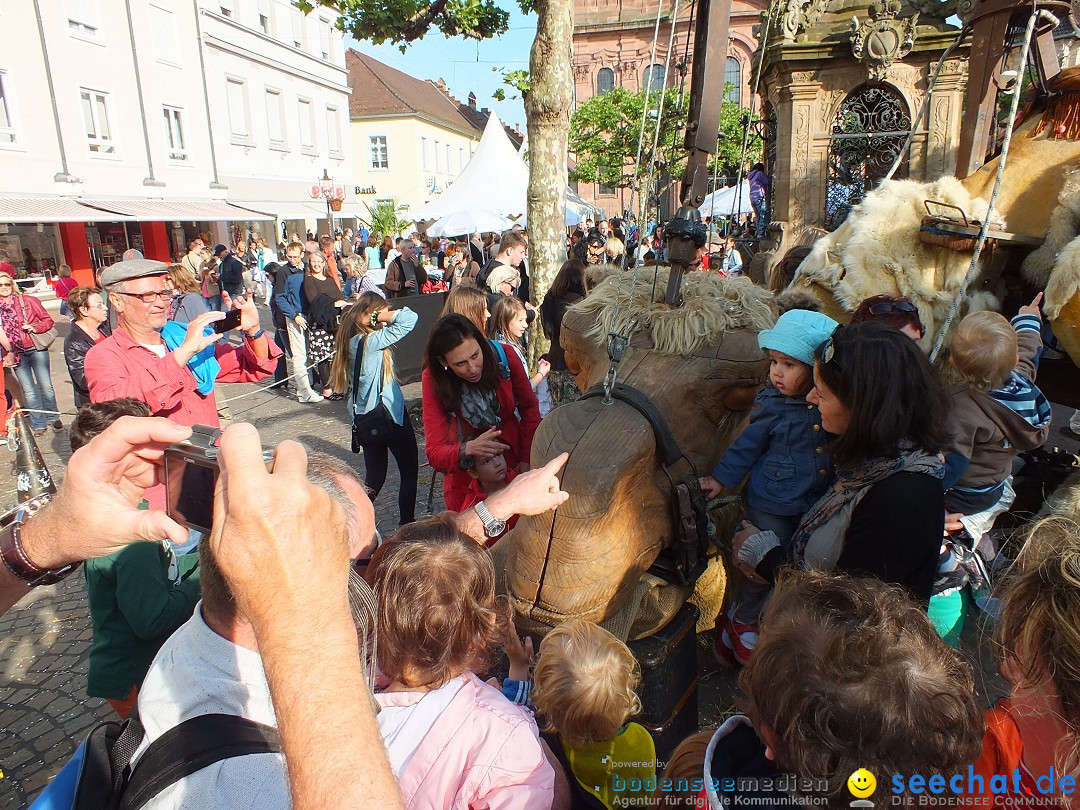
(585, 559)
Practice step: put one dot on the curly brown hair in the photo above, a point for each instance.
(438, 615)
(876, 687)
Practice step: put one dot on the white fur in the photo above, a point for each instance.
(876, 251)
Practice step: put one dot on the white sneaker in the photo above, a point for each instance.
(311, 398)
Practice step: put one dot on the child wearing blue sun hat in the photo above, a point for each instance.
(783, 454)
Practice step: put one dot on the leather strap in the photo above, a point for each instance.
(665, 440)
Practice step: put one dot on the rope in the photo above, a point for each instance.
(663, 90)
(925, 107)
(645, 108)
(736, 198)
(1036, 15)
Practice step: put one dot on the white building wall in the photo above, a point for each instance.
(423, 159)
(94, 52)
(257, 165)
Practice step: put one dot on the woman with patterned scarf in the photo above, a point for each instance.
(884, 515)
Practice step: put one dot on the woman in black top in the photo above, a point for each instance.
(323, 300)
(89, 314)
(885, 514)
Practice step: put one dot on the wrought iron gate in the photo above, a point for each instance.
(867, 134)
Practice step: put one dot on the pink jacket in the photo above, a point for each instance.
(483, 752)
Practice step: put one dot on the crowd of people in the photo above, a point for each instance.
(871, 483)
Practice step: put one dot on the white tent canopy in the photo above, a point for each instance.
(495, 179)
(725, 202)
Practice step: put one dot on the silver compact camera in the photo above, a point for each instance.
(191, 473)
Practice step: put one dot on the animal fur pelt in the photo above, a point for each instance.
(1055, 266)
(712, 306)
(877, 251)
(1064, 227)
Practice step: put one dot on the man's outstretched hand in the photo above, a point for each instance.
(95, 512)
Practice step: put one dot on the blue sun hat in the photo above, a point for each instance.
(798, 333)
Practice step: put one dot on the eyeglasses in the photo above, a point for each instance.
(892, 307)
(6, 284)
(147, 297)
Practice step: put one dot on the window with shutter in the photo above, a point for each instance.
(333, 130)
(83, 20)
(307, 126)
(239, 115)
(275, 118)
(163, 35)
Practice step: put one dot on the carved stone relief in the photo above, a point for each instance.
(882, 39)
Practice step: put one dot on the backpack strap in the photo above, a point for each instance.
(192, 746)
(504, 366)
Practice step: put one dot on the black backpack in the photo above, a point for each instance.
(100, 775)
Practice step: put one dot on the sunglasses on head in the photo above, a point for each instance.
(893, 308)
(827, 350)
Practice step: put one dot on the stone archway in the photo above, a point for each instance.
(868, 132)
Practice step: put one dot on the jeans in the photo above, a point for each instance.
(298, 361)
(214, 302)
(762, 217)
(281, 338)
(36, 383)
(403, 445)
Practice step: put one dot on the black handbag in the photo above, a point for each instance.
(375, 427)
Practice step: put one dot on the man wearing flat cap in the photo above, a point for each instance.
(175, 380)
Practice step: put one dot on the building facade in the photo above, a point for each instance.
(410, 138)
(278, 100)
(613, 47)
(116, 133)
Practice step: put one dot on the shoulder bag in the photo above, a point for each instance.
(41, 341)
(374, 427)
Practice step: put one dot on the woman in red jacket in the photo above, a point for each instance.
(20, 317)
(476, 405)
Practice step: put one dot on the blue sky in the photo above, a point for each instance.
(467, 65)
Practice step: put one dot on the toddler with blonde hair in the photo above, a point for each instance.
(997, 411)
(584, 688)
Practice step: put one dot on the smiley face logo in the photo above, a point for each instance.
(861, 783)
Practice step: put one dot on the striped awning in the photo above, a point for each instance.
(177, 210)
(23, 210)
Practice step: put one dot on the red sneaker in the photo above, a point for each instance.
(743, 640)
(722, 648)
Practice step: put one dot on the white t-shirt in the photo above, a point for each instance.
(198, 672)
(404, 727)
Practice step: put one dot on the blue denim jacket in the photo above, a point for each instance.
(783, 448)
(368, 391)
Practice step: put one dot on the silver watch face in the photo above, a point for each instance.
(495, 528)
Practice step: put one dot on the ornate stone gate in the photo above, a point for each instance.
(845, 79)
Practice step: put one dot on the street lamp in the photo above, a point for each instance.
(333, 194)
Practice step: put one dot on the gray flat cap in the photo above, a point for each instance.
(132, 268)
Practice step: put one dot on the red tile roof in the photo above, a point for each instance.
(380, 90)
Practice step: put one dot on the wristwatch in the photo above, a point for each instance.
(493, 527)
(14, 556)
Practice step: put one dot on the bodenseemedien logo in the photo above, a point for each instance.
(862, 785)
